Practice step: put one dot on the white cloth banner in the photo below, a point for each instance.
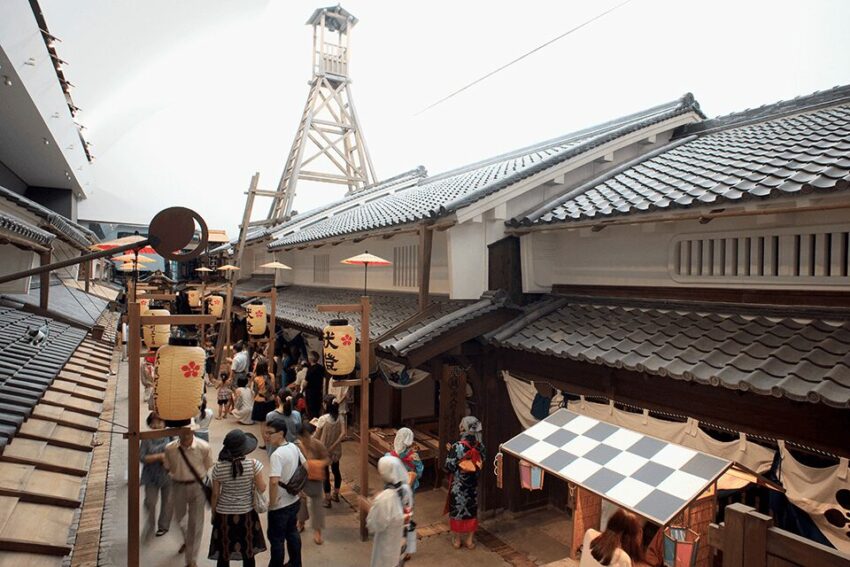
(522, 394)
(824, 494)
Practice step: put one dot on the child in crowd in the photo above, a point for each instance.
(225, 396)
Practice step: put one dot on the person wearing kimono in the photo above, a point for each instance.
(464, 464)
(389, 513)
(403, 449)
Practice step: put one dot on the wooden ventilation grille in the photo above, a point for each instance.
(812, 255)
(406, 266)
(322, 268)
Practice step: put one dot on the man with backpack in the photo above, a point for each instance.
(287, 477)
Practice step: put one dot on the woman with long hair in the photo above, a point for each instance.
(263, 386)
(620, 545)
(464, 463)
(330, 432)
(317, 462)
(237, 533)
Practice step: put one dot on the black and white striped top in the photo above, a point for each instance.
(237, 495)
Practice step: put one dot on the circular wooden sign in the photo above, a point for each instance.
(172, 230)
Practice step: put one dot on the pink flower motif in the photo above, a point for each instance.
(346, 340)
(190, 370)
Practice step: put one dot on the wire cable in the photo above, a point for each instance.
(521, 57)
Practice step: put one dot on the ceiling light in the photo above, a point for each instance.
(46, 141)
(7, 80)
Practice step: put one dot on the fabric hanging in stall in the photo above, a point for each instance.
(522, 395)
(823, 493)
(407, 377)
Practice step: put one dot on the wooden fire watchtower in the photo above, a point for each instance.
(329, 146)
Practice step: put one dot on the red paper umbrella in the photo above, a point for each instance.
(123, 241)
(366, 260)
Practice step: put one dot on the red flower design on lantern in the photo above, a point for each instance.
(346, 340)
(190, 370)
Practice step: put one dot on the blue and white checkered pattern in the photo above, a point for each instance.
(654, 478)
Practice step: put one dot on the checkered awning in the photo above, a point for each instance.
(651, 477)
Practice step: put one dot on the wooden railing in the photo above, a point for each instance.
(748, 539)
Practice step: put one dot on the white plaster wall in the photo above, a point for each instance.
(345, 276)
(639, 254)
(467, 255)
(13, 259)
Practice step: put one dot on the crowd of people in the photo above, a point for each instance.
(302, 430)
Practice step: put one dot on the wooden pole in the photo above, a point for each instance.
(44, 291)
(426, 238)
(366, 309)
(134, 346)
(273, 323)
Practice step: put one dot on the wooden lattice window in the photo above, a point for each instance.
(406, 266)
(322, 268)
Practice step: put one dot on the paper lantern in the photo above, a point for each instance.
(256, 321)
(144, 305)
(194, 297)
(339, 347)
(530, 476)
(680, 547)
(179, 380)
(156, 335)
(215, 305)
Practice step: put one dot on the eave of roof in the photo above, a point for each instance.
(443, 194)
(788, 148)
(14, 225)
(773, 355)
(64, 228)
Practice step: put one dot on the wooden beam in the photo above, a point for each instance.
(39, 498)
(785, 297)
(35, 547)
(426, 239)
(44, 277)
(814, 425)
(178, 319)
(134, 343)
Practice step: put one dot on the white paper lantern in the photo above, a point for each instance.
(256, 321)
(156, 335)
(179, 381)
(194, 297)
(339, 347)
(215, 305)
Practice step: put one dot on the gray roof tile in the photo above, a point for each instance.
(443, 194)
(803, 360)
(783, 149)
(63, 226)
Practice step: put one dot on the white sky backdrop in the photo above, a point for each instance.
(185, 100)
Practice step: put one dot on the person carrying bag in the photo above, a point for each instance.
(238, 496)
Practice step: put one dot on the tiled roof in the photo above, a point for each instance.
(789, 148)
(27, 370)
(439, 323)
(443, 194)
(297, 305)
(257, 282)
(65, 301)
(64, 227)
(13, 224)
(803, 360)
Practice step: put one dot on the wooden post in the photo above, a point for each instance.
(134, 346)
(426, 238)
(365, 347)
(755, 536)
(733, 546)
(44, 279)
(273, 323)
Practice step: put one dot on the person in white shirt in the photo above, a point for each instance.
(203, 420)
(239, 366)
(283, 506)
(387, 514)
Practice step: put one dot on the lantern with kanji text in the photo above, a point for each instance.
(339, 347)
(215, 305)
(680, 547)
(179, 383)
(156, 335)
(256, 321)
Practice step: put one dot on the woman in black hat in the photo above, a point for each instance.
(237, 533)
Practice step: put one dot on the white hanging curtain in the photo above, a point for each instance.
(816, 492)
(522, 394)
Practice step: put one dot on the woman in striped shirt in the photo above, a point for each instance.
(237, 533)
